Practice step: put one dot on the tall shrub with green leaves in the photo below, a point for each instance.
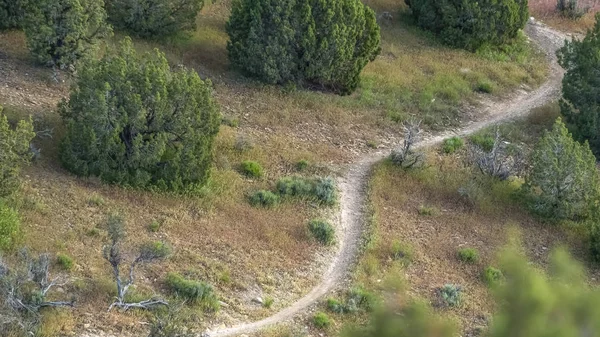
(563, 182)
(131, 120)
(579, 104)
(470, 24)
(325, 44)
(153, 18)
(60, 32)
(11, 14)
(14, 152)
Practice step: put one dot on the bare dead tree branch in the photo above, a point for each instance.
(405, 156)
(498, 162)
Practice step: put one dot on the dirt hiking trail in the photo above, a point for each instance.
(353, 185)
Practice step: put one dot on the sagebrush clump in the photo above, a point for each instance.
(322, 231)
(133, 121)
(264, 198)
(468, 255)
(325, 44)
(196, 292)
(323, 190)
(471, 24)
(451, 294)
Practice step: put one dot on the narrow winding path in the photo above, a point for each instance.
(353, 185)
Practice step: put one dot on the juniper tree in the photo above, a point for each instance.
(325, 44)
(153, 18)
(581, 87)
(131, 120)
(471, 24)
(11, 14)
(563, 182)
(14, 152)
(60, 32)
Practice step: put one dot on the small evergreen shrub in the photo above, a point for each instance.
(252, 169)
(96, 200)
(335, 306)
(194, 291)
(322, 43)
(471, 24)
(486, 142)
(157, 249)
(302, 165)
(492, 276)
(451, 294)
(64, 261)
(468, 255)
(452, 145)
(360, 298)
(322, 231)
(153, 129)
(264, 198)
(154, 18)
(595, 241)
(10, 227)
(321, 320)
(14, 152)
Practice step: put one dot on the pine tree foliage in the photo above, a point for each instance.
(11, 14)
(323, 43)
(14, 152)
(471, 24)
(563, 182)
(131, 120)
(153, 18)
(581, 87)
(60, 32)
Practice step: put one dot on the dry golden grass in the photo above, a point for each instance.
(545, 10)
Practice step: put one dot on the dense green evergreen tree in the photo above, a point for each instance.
(14, 152)
(471, 24)
(563, 182)
(60, 32)
(11, 14)
(132, 121)
(580, 103)
(153, 18)
(316, 42)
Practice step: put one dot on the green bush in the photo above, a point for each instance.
(571, 9)
(14, 152)
(322, 43)
(486, 142)
(264, 198)
(156, 249)
(451, 294)
(401, 252)
(321, 320)
(12, 13)
(64, 261)
(563, 183)
(10, 227)
(492, 276)
(252, 169)
(154, 128)
(194, 291)
(60, 32)
(268, 303)
(322, 190)
(302, 165)
(360, 298)
(322, 231)
(579, 104)
(471, 24)
(468, 255)
(154, 226)
(452, 145)
(157, 18)
(335, 306)
(428, 210)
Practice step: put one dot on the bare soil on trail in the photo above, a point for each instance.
(353, 184)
